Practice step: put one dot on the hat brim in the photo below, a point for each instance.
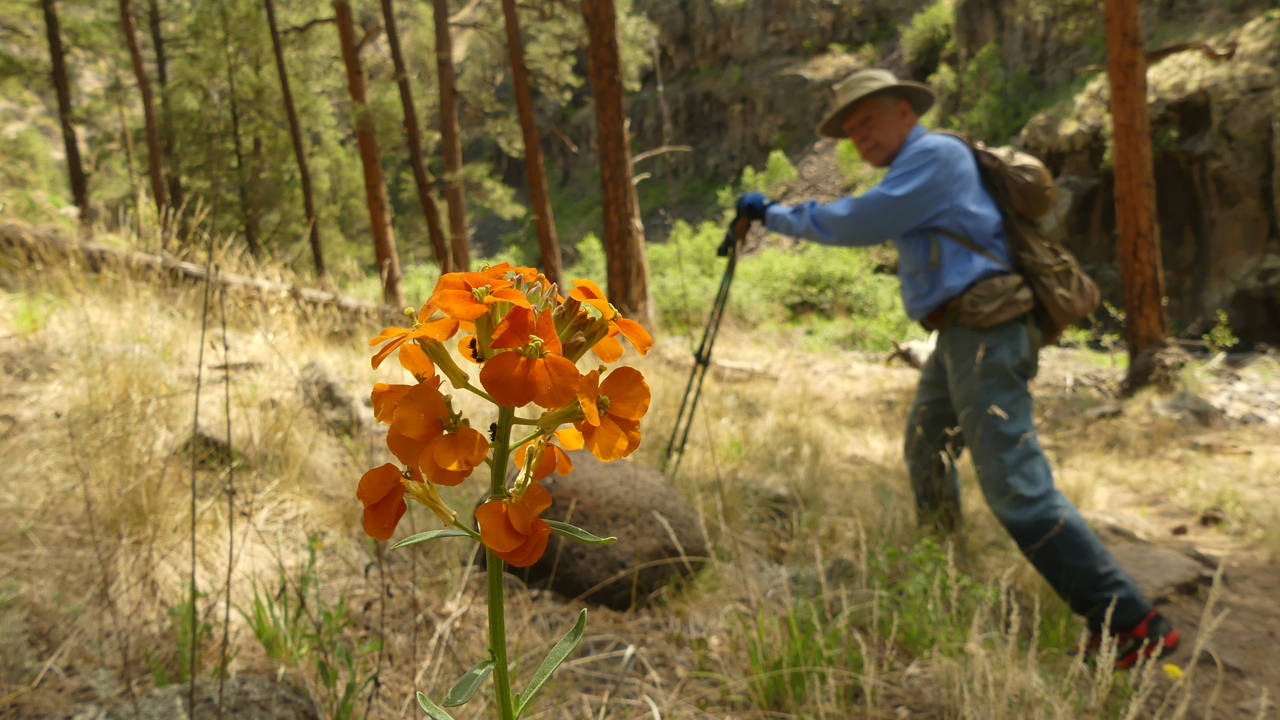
(920, 96)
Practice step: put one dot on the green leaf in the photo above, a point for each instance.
(577, 533)
(558, 653)
(467, 685)
(430, 535)
(435, 712)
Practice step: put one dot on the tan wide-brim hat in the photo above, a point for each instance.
(865, 83)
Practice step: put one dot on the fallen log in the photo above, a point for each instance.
(49, 246)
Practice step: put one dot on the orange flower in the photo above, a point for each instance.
(553, 458)
(512, 528)
(612, 411)
(448, 459)
(382, 492)
(440, 329)
(385, 398)
(608, 348)
(417, 420)
(467, 296)
(585, 291)
(415, 360)
(533, 368)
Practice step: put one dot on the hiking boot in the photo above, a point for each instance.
(1153, 636)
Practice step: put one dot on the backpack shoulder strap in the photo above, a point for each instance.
(974, 247)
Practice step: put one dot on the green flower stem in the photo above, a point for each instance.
(524, 421)
(516, 445)
(495, 565)
(481, 393)
(474, 535)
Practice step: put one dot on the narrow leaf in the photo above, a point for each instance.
(553, 659)
(577, 533)
(467, 685)
(435, 712)
(429, 535)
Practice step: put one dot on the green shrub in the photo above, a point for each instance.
(929, 37)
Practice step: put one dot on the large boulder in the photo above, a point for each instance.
(659, 535)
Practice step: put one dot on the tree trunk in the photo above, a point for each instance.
(299, 152)
(384, 243)
(544, 221)
(154, 156)
(1138, 236)
(628, 273)
(242, 187)
(166, 116)
(427, 202)
(75, 170)
(450, 145)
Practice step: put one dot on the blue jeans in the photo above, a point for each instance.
(973, 393)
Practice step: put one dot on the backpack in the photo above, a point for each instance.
(1023, 190)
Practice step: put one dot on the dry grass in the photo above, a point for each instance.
(823, 601)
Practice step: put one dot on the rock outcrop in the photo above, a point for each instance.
(1216, 139)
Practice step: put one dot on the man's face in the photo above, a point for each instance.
(878, 129)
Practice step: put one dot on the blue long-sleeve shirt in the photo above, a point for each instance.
(932, 184)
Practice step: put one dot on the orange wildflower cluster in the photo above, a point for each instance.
(527, 339)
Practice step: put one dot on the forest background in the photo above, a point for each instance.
(732, 89)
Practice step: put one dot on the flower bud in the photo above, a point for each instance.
(444, 362)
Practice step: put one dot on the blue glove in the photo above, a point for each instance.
(753, 205)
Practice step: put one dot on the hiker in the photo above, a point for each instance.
(954, 265)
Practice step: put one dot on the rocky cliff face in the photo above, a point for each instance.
(744, 77)
(1216, 134)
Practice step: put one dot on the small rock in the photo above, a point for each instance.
(656, 528)
(1187, 407)
(325, 391)
(1158, 571)
(1212, 516)
(1104, 411)
(1179, 530)
(242, 699)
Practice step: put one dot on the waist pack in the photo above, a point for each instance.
(1023, 189)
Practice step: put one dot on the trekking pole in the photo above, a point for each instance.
(702, 358)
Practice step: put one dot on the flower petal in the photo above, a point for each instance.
(381, 518)
(570, 438)
(608, 349)
(546, 330)
(533, 547)
(418, 414)
(388, 333)
(511, 295)
(608, 441)
(588, 395)
(505, 377)
(514, 330)
(553, 381)
(377, 483)
(522, 512)
(386, 350)
(385, 398)
(461, 450)
(440, 329)
(415, 360)
(564, 463)
(406, 449)
(590, 293)
(460, 304)
(496, 531)
(635, 332)
(628, 393)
